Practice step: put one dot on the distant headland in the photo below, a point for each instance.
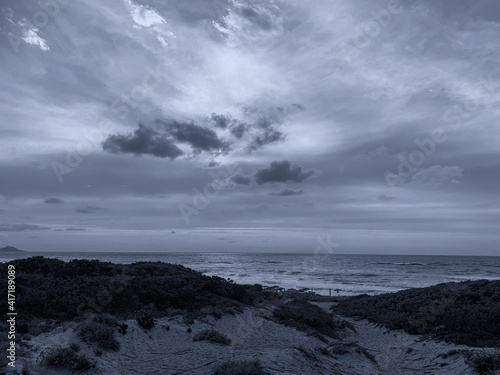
(10, 249)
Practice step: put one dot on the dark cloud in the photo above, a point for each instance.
(76, 229)
(266, 126)
(386, 198)
(89, 209)
(238, 130)
(221, 121)
(142, 141)
(53, 200)
(283, 171)
(241, 179)
(198, 137)
(20, 227)
(258, 19)
(286, 192)
(268, 136)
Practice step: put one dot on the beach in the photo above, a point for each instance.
(157, 318)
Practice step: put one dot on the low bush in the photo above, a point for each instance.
(99, 331)
(463, 313)
(66, 358)
(146, 321)
(484, 363)
(240, 368)
(306, 317)
(54, 289)
(213, 336)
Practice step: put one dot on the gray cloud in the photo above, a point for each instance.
(437, 175)
(261, 20)
(282, 171)
(198, 137)
(21, 227)
(238, 130)
(75, 229)
(386, 198)
(241, 179)
(221, 121)
(286, 192)
(89, 209)
(142, 141)
(53, 200)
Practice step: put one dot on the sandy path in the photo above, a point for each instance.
(282, 350)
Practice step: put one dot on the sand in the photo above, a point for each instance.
(280, 349)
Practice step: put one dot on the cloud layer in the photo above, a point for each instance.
(236, 107)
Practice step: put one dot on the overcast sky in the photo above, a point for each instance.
(250, 125)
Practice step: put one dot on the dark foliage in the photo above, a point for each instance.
(484, 363)
(463, 313)
(146, 321)
(53, 289)
(240, 368)
(308, 317)
(123, 328)
(213, 336)
(67, 359)
(100, 331)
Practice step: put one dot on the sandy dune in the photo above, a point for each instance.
(281, 350)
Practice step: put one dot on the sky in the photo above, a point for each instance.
(332, 126)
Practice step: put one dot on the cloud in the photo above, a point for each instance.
(221, 121)
(89, 209)
(266, 126)
(53, 200)
(260, 127)
(75, 229)
(386, 198)
(241, 179)
(198, 137)
(20, 227)
(142, 141)
(238, 130)
(283, 171)
(437, 175)
(261, 20)
(286, 192)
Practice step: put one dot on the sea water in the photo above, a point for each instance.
(336, 274)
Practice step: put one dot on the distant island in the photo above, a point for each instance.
(11, 249)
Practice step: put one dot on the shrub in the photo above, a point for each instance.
(133, 286)
(66, 358)
(305, 317)
(463, 313)
(106, 319)
(123, 328)
(484, 363)
(97, 331)
(240, 368)
(213, 336)
(145, 321)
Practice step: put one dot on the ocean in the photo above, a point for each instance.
(339, 274)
